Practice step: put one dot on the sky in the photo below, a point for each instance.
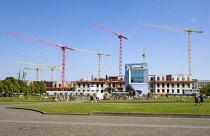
(68, 22)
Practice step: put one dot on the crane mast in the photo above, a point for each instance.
(189, 42)
(120, 36)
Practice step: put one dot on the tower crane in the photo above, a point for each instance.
(120, 36)
(63, 48)
(99, 59)
(51, 67)
(37, 71)
(189, 42)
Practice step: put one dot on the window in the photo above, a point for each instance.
(137, 77)
(172, 84)
(177, 90)
(167, 84)
(162, 84)
(158, 85)
(183, 85)
(177, 84)
(167, 90)
(158, 90)
(172, 90)
(158, 78)
(101, 85)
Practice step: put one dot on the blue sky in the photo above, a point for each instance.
(68, 22)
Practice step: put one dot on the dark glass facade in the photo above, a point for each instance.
(137, 77)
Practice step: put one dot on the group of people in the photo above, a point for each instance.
(199, 100)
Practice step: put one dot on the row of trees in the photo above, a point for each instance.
(11, 86)
(206, 89)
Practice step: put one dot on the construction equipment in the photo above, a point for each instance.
(99, 59)
(189, 42)
(143, 55)
(63, 48)
(120, 36)
(52, 68)
(37, 71)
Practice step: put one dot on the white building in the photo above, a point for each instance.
(170, 84)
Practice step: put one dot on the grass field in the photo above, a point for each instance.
(32, 99)
(159, 99)
(184, 108)
(6, 103)
(187, 108)
(160, 105)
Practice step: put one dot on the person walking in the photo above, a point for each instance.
(201, 99)
(91, 99)
(196, 100)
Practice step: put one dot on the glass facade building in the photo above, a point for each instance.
(136, 78)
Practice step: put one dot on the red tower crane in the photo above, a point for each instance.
(63, 48)
(120, 36)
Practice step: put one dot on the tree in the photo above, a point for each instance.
(206, 89)
(10, 86)
(1, 87)
(39, 87)
(31, 88)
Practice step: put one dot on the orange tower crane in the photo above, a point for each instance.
(189, 42)
(63, 48)
(120, 36)
(52, 68)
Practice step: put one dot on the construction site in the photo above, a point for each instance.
(135, 79)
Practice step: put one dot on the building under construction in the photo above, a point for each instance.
(110, 84)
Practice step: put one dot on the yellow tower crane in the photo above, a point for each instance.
(189, 42)
(99, 59)
(52, 68)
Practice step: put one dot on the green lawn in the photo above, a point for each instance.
(158, 100)
(160, 105)
(6, 103)
(32, 99)
(188, 108)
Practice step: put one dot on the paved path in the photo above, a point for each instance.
(15, 122)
